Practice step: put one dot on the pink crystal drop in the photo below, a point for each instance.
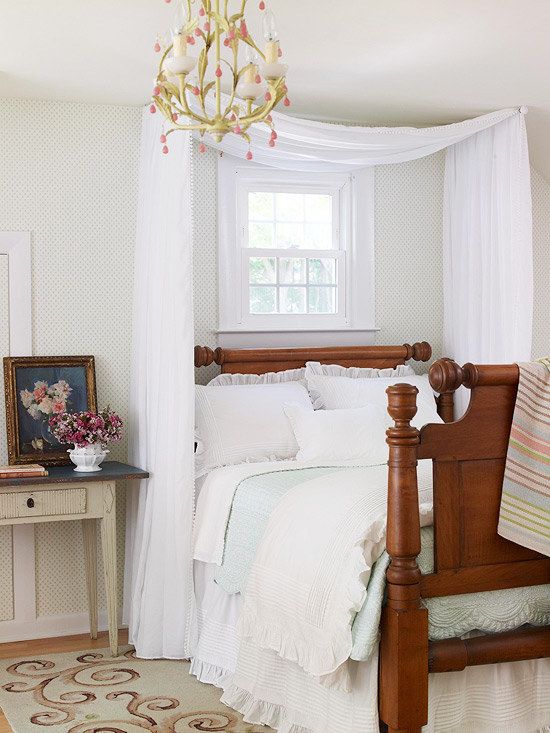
(218, 72)
(196, 91)
(174, 117)
(156, 91)
(207, 27)
(201, 12)
(271, 143)
(273, 135)
(262, 5)
(156, 47)
(167, 1)
(198, 31)
(163, 138)
(237, 130)
(233, 117)
(269, 118)
(165, 149)
(202, 148)
(152, 109)
(249, 155)
(286, 102)
(244, 29)
(258, 79)
(226, 41)
(280, 52)
(231, 34)
(267, 97)
(190, 40)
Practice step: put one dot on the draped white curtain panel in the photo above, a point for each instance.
(159, 585)
(488, 286)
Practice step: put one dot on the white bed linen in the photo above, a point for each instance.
(509, 698)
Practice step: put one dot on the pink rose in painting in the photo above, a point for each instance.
(39, 392)
(58, 406)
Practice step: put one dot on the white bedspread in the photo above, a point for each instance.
(309, 576)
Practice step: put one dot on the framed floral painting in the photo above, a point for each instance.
(36, 388)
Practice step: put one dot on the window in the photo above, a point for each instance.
(287, 250)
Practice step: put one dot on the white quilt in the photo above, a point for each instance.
(309, 577)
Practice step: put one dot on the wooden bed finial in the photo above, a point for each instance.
(446, 375)
(404, 645)
(420, 351)
(204, 356)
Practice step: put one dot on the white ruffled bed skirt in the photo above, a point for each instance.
(268, 690)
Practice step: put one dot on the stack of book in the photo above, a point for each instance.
(28, 471)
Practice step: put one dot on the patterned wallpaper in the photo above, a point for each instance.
(69, 176)
(6, 591)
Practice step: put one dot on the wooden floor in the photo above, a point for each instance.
(57, 645)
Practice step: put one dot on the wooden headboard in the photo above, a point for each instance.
(260, 361)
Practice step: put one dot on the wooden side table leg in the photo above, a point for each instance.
(108, 544)
(89, 535)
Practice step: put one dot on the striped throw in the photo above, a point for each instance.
(525, 506)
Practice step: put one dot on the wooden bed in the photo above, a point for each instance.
(468, 463)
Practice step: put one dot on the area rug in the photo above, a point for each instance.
(93, 692)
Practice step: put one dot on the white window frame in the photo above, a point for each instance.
(353, 199)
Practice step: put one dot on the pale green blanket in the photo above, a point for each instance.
(449, 616)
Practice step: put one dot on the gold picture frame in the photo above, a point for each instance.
(35, 388)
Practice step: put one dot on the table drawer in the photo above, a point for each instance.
(46, 503)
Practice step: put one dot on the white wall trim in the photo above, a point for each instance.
(45, 627)
(17, 247)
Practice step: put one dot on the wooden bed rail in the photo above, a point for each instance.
(258, 361)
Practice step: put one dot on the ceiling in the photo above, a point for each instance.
(383, 62)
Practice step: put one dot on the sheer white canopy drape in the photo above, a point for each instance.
(488, 311)
(159, 590)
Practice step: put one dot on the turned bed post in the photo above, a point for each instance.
(404, 642)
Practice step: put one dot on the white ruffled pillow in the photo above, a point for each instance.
(335, 370)
(245, 423)
(289, 375)
(340, 435)
(341, 393)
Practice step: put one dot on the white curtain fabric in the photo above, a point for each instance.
(306, 145)
(487, 248)
(159, 590)
(488, 313)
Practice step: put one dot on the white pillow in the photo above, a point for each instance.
(340, 435)
(340, 393)
(335, 370)
(245, 423)
(289, 375)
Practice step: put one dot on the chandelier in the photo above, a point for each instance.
(203, 58)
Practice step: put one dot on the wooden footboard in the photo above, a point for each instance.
(468, 464)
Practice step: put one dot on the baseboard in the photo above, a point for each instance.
(45, 627)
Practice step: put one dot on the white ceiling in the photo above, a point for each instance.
(372, 61)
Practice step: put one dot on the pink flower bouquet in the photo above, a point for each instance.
(46, 400)
(86, 428)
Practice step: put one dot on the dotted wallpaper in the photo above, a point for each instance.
(69, 176)
(541, 246)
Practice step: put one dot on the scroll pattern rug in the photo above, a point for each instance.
(93, 692)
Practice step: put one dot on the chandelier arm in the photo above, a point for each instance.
(235, 78)
(218, 57)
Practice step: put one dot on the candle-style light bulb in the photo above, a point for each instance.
(269, 26)
(271, 37)
(179, 39)
(178, 20)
